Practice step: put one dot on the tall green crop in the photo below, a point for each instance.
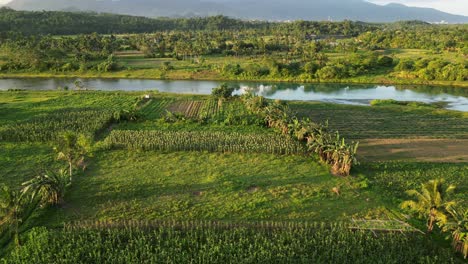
(217, 243)
(203, 141)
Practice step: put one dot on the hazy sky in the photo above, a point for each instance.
(451, 6)
(459, 7)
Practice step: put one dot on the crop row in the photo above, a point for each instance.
(189, 109)
(154, 108)
(46, 127)
(375, 122)
(210, 108)
(203, 141)
(332, 243)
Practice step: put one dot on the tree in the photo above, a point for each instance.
(431, 202)
(50, 188)
(311, 67)
(405, 65)
(108, 65)
(78, 85)
(167, 66)
(222, 92)
(73, 149)
(385, 61)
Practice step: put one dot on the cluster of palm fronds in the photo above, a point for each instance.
(433, 203)
(16, 206)
(48, 188)
(330, 146)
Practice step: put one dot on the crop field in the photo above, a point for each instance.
(47, 127)
(155, 108)
(22, 106)
(210, 108)
(97, 166)
(43, 120)
(190, 109)
(361, 122)
(202, 141)
(220, 164)
(416, 149)
(209, 243)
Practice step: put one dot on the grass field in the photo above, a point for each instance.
(121, 185)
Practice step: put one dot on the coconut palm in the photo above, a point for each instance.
(50, 188)
(73, 149)
(431, 202)
(457, 224)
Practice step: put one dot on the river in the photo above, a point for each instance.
(454, 98)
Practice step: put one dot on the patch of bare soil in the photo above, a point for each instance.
(252, 189)
(198, 193)
(420, 149)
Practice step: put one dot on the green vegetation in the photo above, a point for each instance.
(161, 160)
(74, 23)
(431, 201)
(156, 173)
(202, 141)
(226, 49)
(217, 243)
(387, 120)
(46, 127)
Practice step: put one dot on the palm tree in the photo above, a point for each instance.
(73, 149)
(431, 201)
(457, 224)
(12, 207)
(50, 187)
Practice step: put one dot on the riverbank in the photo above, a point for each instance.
(204, 75)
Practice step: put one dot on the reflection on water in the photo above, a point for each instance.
(455, 98)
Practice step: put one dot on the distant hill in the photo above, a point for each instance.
(336, 10)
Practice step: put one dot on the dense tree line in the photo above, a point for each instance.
(71, 23)
(296, 50)
(278, 56)
(59, 53)
(437, 38)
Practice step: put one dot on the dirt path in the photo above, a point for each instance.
(432, 150)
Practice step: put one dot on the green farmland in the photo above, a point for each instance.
(205, 170)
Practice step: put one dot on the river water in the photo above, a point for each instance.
(454, 98)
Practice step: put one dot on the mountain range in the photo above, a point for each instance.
(336, 10)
